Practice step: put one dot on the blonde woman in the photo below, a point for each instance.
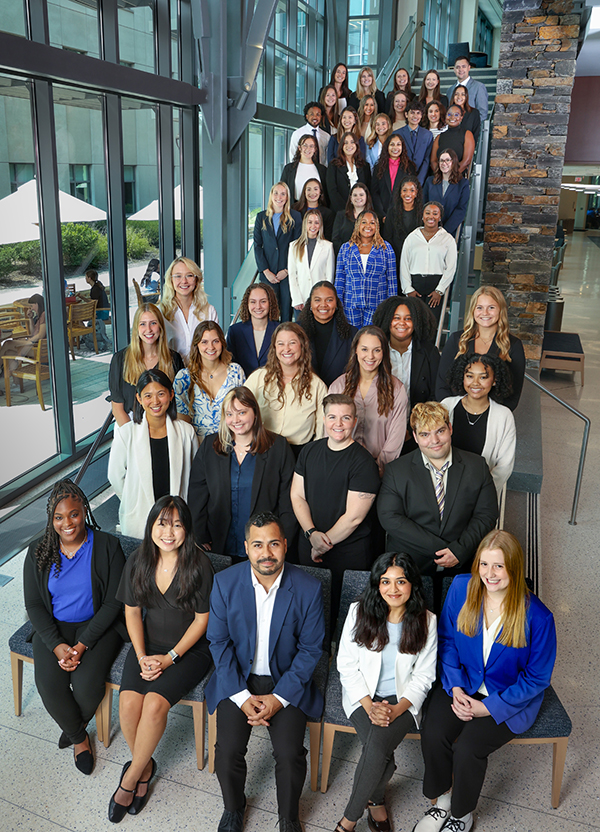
(381, 129)
(486, 332)
(274, 230)
(184, 304)
(201, 388)
(290, 395)
(365, 85)
(310, 259)
(366, 110)
(148, 350)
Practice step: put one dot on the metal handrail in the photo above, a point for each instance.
(388, 70)
(584, 442)
(95, 445)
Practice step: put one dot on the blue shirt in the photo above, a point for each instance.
(71, 588)
(241, 493)
(386, 684)
(276, 221)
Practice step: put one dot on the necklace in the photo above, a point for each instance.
(477, 418)
(70, 555)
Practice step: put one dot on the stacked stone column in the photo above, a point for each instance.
(538, 49)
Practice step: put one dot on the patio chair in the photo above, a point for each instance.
(34, 367)
(79, 313)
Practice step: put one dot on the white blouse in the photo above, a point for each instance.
(180, 332)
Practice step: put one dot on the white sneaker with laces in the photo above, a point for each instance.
(433, 820)
(463, 824)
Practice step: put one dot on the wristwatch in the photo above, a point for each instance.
(174, 656)
(308, 532)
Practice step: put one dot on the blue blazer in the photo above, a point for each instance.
(360, 289)
(420, 153)
(270, 250)
(240, 342)
(455, 201)
(295, 639)
(515, 677)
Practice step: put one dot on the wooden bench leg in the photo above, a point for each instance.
(314, 732)
(559, 755)
(105, 711)
(212, 740)
(199, 712)
(16, 665)
(328, 737)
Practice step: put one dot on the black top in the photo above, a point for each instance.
(161, 480)
(165, 621)
(338, 184)
(342, 231)
(322, 339)
(468, 431)
(329, 475)
(354, 101)
(98, 293)
(397, 232)
(120, 390)
(453, 139)
(328, 218)
(472, 121)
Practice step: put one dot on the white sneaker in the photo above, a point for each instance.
(463, 824)
(433, 820)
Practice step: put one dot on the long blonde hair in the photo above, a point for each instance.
(502, 337)
(373, 137)
(133, 363)
(168, 300)
(287, 221)
(378, 240)
(195, 365)
(360, 90)
(514, 622)
(299, 245)
(361, 116)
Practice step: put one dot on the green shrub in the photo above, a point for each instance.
(80, 244)
(7, 260)
(137, 244)
(147, 227)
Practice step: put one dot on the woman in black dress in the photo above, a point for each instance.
(171, 578)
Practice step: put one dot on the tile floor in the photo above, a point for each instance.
(41, 791)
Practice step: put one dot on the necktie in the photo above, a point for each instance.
(440, 494)
(315, 134)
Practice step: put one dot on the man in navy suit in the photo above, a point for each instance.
(266, 631)
(478, 94)
(417, 139)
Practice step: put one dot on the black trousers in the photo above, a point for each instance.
(283, 295)
(424, 284)
(71, 698)
(453, 748)
(287, 737)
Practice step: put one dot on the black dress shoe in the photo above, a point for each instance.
(138, 803)
(84, 761)
(377, 825)
(116, 811)
(287, 825)
(232, 821)
(64, 741)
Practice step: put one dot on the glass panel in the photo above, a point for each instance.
(362, 42)
(255, 176)
(30, 428)
(301, 72)
(174, 40)
(280, 92)
(361, 8)
(280, 147)
(281, 27)
(12, 17)
(136, 34)
(82, 183)
(74, 26)
(177, 179)
(260, 81)
(301, 33)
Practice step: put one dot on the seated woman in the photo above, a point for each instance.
(430, 90)
(450, 189)
(150, 282)
(456, 138)
(382, 130)
(148, 350)
(472, 117)
(366, 271)
(328, 98)
(201, 387)
(313, 196)
(397, 112)
(304, 166)
(25, 345)
(486, 332)
(240, 471)
(249, 340)
(365, 85)
(310, 259)
(404, 215)
(329, 333)
(343, 227)
(165, 588)
(151, 456)
(428, 261)
(366, 110)
(480, 422)
(386, 661)
(348, 123)
(98, 293)
(435, 118)
(391, 169)
(497, 647)
(401, 84)
(70, 580)
(380, 398)
(184, 304)
(290, 395)
(348, 168)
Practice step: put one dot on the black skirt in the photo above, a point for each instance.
(176, 680)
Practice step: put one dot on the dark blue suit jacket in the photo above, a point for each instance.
(270, 250)
(240, 342)
(515, 677)
(295, 639)
(336, 356)
(455, 201)
(420, 154)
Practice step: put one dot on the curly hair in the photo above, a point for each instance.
(378, 240)
(273, 305)
(47, 553)
(307, 318)
(274, 373)
(471, 329)
(422, 317)
(398, 205)
(308, 137)
(195, 361)
(502, 387)
(383, 163)
(455, 175)
(385, 381)
(168, 300)
(371, 629)
(340, 159)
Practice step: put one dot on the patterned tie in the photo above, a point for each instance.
(440, 494)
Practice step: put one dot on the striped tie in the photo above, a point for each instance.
(440, 494)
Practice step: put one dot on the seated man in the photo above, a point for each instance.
(266, 632)
(437, 503)
(334, 486)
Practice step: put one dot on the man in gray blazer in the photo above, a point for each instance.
(478, 94)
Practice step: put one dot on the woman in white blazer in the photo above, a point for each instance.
(386, 661)
(151, 456)
(310, 259)
(481, 424)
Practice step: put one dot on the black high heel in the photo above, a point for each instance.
(116, 811)
(138, 803)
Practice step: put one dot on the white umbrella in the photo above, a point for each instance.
(150, 212)
(19, 218)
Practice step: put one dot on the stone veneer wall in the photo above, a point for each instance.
(538, 49)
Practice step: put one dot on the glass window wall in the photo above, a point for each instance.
(12, 17)
(137, 34)
(73, 25)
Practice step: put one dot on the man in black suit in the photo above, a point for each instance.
(437, 503)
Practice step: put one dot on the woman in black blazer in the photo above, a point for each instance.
(345, 221)
(393, 151)
(274, 230)
(305, 165)
(259, 313)
(345, 170)
(329, 332)
(239, 471)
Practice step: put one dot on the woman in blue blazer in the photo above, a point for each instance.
(497, 647)
(456, 198)
(274, 230)
(259, 318)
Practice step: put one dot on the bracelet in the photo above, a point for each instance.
(139, 658)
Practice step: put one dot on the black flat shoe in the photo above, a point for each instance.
(138, 802)
(116, 811)
(84, 761)
(64, 741)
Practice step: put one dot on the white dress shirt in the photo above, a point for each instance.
(401, 367)
(180, 332)
(428, 465)
(307, 130)
(489, 637)
(420, 256)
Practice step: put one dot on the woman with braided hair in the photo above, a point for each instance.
(70, 580)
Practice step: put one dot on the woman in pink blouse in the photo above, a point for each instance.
(381, 400)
